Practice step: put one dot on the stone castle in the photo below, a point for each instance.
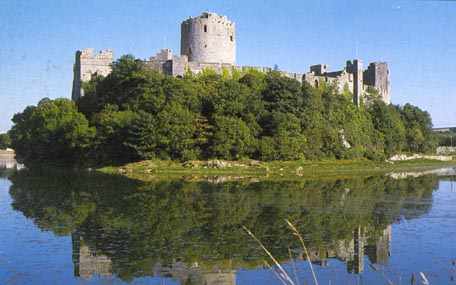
(209, 41)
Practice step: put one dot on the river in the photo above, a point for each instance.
(77, 227)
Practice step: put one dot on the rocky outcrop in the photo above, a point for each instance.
(404, 157)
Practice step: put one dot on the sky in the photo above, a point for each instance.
(39, 38)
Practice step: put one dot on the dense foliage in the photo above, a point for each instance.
(447, 138)
(5, 141)
(53, 131)
(135, 114)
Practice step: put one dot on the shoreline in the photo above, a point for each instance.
(275, 169)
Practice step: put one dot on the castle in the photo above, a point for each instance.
(209, 41)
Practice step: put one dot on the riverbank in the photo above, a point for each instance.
(252, 168)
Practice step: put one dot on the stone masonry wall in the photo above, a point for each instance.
(88, 64)
(377, 75)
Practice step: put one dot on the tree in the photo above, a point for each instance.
(53, 131)
(387, 120)
(125, 87)
(232, 138)
(113, 141)
(418, 125)
(5, 141)
(175, 131)
(286, 141)
(282, 94)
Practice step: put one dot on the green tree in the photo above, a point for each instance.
(113, 141)
(176, 129)
(128, 86)
(418, 125)
(232, 138)
(387, 120)
(286, 141)
(282, 94)
(53, 131)
(315, 127)
(5, 141)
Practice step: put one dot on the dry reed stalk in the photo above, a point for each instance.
(274, 272)
(284, 273)
(296, 233)
(293, 266)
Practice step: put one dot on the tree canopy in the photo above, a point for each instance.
(135, 113)
(53, 131)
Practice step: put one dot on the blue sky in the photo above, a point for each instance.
(418, 39)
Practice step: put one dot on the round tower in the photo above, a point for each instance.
(209, 38)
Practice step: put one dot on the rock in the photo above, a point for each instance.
(254, 163)
(216, 163)
(219, 164)
(299, 171)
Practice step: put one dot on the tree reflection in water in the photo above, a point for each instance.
(193, 230)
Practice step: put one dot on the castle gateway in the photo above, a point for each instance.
(209, 41)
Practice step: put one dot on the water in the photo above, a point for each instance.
(85, 227)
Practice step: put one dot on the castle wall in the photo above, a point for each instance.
(354, 78)
(291, 75)
(209, 38)
(337, 79)
(345, 80)
(209, 42)
(319, 69)
(88, 64)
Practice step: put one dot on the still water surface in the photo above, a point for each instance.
(84, 227)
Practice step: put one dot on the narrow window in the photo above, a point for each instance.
(205, 28)
(231, 38)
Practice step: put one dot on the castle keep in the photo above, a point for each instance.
(209, 41)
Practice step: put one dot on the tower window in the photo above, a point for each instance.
(231, 37)
(205, 28)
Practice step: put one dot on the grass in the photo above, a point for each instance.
(147, 169)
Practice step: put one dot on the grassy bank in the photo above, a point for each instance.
(288, 169)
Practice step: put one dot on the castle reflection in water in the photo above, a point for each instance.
(10, 163)
(88, 263)
(377, 249)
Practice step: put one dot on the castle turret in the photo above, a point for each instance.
(209, 38)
